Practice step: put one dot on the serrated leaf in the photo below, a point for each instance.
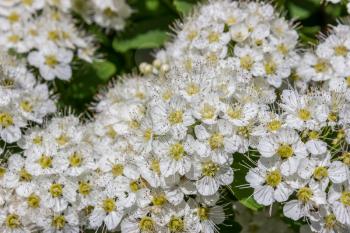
(148, 40)
(104, 69)
(183, 7)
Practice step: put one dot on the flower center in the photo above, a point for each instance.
(159, 200)
(274, 125)
(340, 50)
(175, 117)
(7, 82)
(134, 186)
(285, 151)
(177, 151)
(203, 213)
(147, 135)
(26, 106)
(192, 89)
(12, 221)
(62, 139)
(58, 222)
(345, 199)
(346, 158)
(213, 37)
(234, 113)
(27, 2)
(45, 161)
(117, 169)
(24, 175)
(321, 66)
(320, 173)
(330, 221)
(304, 194)
(84, 188)
(208, 111)
(6, 119)
(13, 17)
(270, 68)
(273, 178)
(75, 160)
(304, 114)
(2, 171)
(155, 166)
(51, 61)
(210, 168)
(176, 225)
(33, 201)
(56, 190)
(38, 140)
(108, 205)
(313, 135)
(146, 224)
(282, 48)
(332, 116)
(246, 62)
(191, 35)
(216, 141)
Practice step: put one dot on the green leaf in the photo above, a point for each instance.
(104, 69)
(148, 40)
(182, 6)
(243, 194)
(298, 12)
(251, 203)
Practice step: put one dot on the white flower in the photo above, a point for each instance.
(339, 199)
(52, 62)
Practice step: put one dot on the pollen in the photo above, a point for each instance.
(191, 35)
(45, 161)
(56, 190)
(108, 205)
(58, 222)
(14, 38)
(6, 120)
(12, 221)
(2, 171)
(332, 116)
(134, 186)
(274, 125)
(26, 106)
(345, 158)
(273, 178)
(155, 166)
(313, 135)
(216, 141)
(330, 221)
(341, 50)
(33, 201)
(283, 49)
(208, 111)
(38, 140)
(347, 80)
(146, 225)
(75, 160)
(234, 113)
(246, 62)
(62, 140)
(53, 35)
(13, 17)
(321, 66)
(203, 213)
(304, 114)
(175, 117)
(304, 194)
(320, 173)
(159, 200)
(192, 89)
(177, 151)
(51, 61)
(84, 188)
(117, 169)
(176, 225)
(210, 169)
(213, 37)
(345, 199)
(27, 2)
(24, 175)
(167, 95)
(285, 151)
(147, 135)
(270, 68)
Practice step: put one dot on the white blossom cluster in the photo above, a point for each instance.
(44, 32)
(109, 14)
(329, 62)
(250, 38)
(22, 99)
(304, 159)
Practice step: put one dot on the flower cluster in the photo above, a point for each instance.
(45, 32)
(46, 186)
(304, 160)
(22, 99)
(109, 14)
(248, 37)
